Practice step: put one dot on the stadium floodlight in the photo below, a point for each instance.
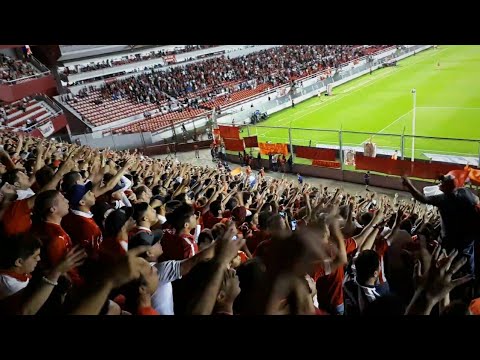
(414, 93)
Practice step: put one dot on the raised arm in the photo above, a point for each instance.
(35, 299)
(226, 250)
(417, 195)
(128, 268)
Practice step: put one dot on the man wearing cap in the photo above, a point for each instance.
(457, 206)
(118, 224)
(79, 222)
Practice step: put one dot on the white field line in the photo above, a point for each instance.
(448, 107)
(386, 127)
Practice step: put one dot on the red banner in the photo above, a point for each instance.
(234, 144)
(266, 149)
(251, 141)
(418, 169)
(316, 153)
(324, 163)
(170, 59)
(229, 132)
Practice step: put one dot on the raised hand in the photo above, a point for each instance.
(73, 258)
(128, 268)
(436, 280)
(227, 248)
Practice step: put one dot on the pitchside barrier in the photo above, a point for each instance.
(346, 150)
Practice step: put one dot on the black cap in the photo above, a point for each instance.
(116, 219)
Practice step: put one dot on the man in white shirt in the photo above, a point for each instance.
(168, 271)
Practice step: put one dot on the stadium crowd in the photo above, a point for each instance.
(11, 69)
(203, 81)
(90, 231)
(130, 60)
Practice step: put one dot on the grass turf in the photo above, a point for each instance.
(448, 106)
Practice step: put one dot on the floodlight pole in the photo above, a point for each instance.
(414, 93)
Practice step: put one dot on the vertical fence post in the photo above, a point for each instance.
(403, 144)
(290, 142)
(248, 130)
(340, 148)
(478, 155)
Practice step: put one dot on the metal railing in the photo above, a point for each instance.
(430, 148)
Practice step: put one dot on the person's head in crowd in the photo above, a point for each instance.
(185, 197)
(367, 267)
(247, 198)
(239, 214)
(231, 204)
(3, 169)
(20, 254)
(29, 166)
(143, 193)
(251, 275)
(148, 181)
(17, 178)
(144, 215)
(365, 218)
(263, 220)
(81, 197)
(44, 176)
(218, 230)
(229, 291)
(196, 280)
(147, 239)
(448, 183)
(205, 239)
(276, 224)
(157, 190)
(171, 205)
(99, 211)
(119, 223)
(183, 219)
(138, 293)
(50, 206)
(216, 208)
(8, 193)
(200, 202)
(267, 207)
(71, 178)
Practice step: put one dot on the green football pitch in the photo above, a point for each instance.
(447, 83)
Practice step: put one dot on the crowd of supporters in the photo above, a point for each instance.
(11, 69)
(138, 57)
(90, 231)
(203, 81)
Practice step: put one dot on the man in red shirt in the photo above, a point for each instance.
(180, 245)
(16, 218)
(118, 225)
(49, 209)
(261, 234)
(213, 215)
(79, 222)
